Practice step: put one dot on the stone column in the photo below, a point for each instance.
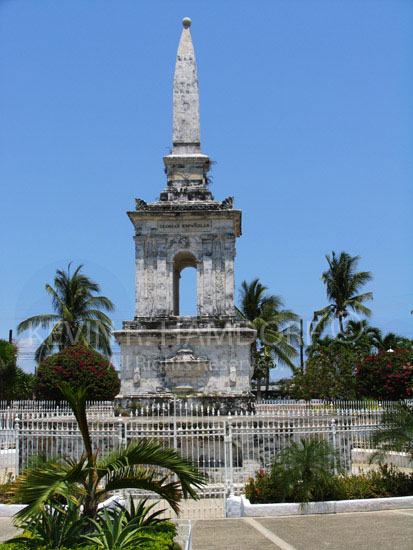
(139, 275)
(229, 253)
(161, 277)
(150, 277)
(207, 276)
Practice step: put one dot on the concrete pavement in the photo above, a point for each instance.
(7, 530)
(388, 530)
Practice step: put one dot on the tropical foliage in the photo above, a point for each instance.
(384, 342)
(395, 432)
(89, 481)
(78, 365)
(277, 331)
(78, 317)
(14, 382)
(329, 373)
(386, 375)
(359, 336)
(385, 482)
(343, 284)
(63, 495)
(302, 472)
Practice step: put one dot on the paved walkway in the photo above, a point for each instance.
(390, 530)
(7, 530)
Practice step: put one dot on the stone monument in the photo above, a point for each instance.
(207, 356)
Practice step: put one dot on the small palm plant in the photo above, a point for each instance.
(115, 532)
(57, 526)
(305, 469)
(87, 482)
(395, 432)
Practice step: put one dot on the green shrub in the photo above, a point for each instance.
(7, 492)
(14, 382)
(329, 374)
(385, 482)
(78, 366)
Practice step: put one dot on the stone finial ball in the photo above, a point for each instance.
(186, 22)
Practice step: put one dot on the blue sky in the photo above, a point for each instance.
(305, 106)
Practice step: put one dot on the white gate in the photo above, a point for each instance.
(200, 436)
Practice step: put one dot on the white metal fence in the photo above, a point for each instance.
(29, 406)
(228, 449)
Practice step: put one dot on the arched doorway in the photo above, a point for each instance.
(182, 261)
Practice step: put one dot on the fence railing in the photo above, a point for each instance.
(51, 406)
(228, 449)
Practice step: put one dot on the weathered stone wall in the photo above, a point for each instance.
(210, 241)
(226, 354)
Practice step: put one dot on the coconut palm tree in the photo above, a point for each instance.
(384, 342)
(360, 336)
(85, 483)
(78, 317)
(343, 283)
(277, 331)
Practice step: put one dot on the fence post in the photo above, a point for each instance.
(334, 442)
(229, 457)
(17, 440)
(122, 435)
(175, 426)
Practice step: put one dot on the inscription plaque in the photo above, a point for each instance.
(184, 226)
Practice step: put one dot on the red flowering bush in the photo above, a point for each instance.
(77, 365)
(387, 375)
(262, 489)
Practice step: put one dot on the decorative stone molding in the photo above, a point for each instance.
(185, 365)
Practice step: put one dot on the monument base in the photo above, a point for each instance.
(191, 404)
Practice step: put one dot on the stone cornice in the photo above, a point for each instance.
(187, 211)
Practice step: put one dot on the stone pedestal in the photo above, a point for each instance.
(185, 356)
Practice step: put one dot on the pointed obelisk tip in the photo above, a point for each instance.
(186, 22)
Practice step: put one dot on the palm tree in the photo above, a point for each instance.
(275, 334)
(84, 483)
(305, 469)
(78, 318)
(384, 342)
(360, 335)
(343, 283)
(395, 432)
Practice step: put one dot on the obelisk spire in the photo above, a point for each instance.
(186, 167)
(186, 125)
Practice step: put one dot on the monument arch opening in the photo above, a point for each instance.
(182, 261)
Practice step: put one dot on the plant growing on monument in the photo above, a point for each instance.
(277, 332)
(78, 365)
(78, 317)
(343, 283)
(88, 481)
